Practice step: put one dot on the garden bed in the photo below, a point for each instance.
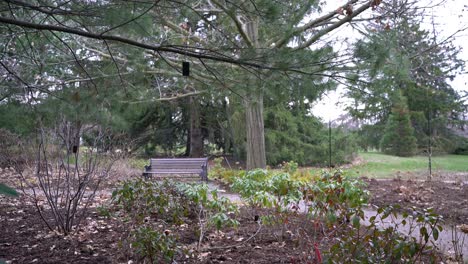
(103, 236)
(26, 239)
(449, 199)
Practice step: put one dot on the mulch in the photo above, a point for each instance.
(449, 199)
(26, 239)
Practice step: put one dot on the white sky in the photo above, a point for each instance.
(449, 18)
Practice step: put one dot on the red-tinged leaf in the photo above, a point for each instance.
(318, 256)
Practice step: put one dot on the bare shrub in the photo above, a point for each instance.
(458, 242)
(64, 174)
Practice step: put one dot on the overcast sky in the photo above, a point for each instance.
(448, 18)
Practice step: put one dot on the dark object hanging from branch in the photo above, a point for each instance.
(185, 68)
(349, 10)
(75, 149)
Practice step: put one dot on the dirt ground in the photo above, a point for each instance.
(26, 239)
(449, 199)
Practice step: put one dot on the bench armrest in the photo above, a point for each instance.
(147, 167)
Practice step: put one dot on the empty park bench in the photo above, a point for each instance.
(177, 166)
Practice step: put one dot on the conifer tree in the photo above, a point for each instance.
(240, 46)
(399, 55)
(399, 138)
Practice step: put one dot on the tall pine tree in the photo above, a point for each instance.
(398, 55)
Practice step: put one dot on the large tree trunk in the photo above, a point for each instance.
(196, 137)
(256, 157)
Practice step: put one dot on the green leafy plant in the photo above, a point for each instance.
(173, 203)
(378, 243)
(290, 167)
(213, 211)
(162, 200)
(264, 190)
(261, 189)
(154, 246)
(335, 196)
(217, 169)
(4, 189)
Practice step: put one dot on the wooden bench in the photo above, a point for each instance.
(180, 166)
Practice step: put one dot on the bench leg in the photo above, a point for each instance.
(204, 176)
(147, 176)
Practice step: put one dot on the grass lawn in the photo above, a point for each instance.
(378, 165)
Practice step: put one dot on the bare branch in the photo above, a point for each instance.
(237, 22)
(314, 23)
(334, 26)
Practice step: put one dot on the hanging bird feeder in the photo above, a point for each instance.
(186, 68)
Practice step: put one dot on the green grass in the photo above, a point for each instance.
(378, 165)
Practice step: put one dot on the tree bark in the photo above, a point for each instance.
(196, 137)
(256, 157)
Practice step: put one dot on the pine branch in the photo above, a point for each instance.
(237, 22)
(132, 19)
(55, 11)
(157, 48)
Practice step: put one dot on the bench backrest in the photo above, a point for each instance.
(193, 165)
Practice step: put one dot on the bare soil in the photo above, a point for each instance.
(449, 199)
(26, 239)
(100, 239)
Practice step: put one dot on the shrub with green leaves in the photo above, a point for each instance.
(377, 243)
(152, 245)
(336, 196)
(163, 200)
(170, 203)
(261, 188)
(212, 210)
(279, 191)
(290, 167)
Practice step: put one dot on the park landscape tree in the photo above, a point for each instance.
(398, 56)
(123, 60)
(398, 138)
(118, 64)
(236, 47)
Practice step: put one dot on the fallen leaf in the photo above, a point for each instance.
(204, 255)
(464, 228)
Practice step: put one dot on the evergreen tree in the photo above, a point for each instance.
(236, 47)
(397, 55)
(398, 138)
